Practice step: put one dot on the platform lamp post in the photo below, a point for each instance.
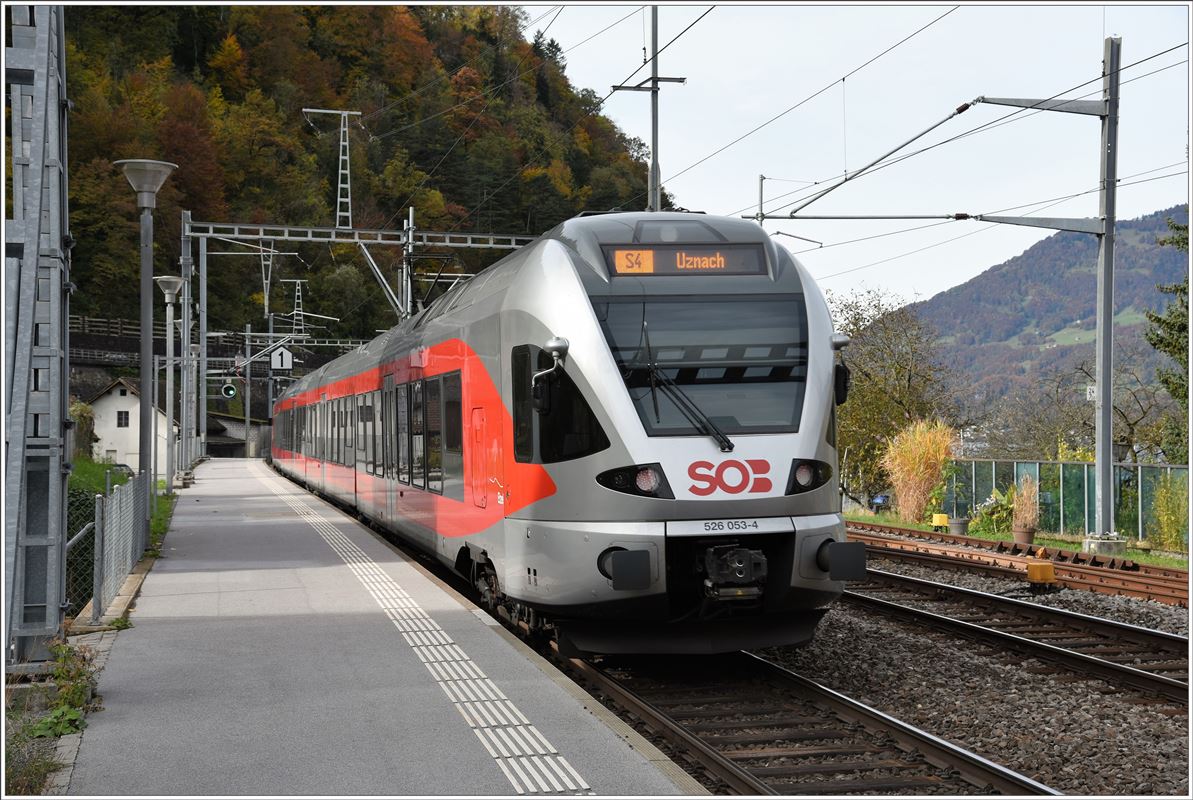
(146, 177)
(169, 284)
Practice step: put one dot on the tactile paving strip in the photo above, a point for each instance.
(524, 755)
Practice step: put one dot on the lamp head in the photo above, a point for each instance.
(169, 284)
(146, 177)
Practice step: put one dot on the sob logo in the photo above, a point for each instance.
(731, 477)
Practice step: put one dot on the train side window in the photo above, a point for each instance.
(453, 438)
(567, 430)
(403, 434)
(433, 401)
(523, 413)
(418, 463)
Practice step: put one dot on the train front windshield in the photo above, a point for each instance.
(742, 360)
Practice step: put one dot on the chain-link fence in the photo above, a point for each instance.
(108, 538)
(1150, 502)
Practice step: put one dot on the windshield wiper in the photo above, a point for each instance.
(695, 416)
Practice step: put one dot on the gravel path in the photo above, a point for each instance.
(1074, 735)
(1145, 613)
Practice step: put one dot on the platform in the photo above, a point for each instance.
(279, 647)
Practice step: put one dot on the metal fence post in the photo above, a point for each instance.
(97, 590)
(1062, 497)
(1139, 501)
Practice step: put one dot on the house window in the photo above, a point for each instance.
(121, 419)
(124, 392)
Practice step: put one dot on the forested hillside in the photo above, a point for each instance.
(463, 118)
(1033, 315)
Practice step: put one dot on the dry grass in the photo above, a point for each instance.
(1025, 514)
(915, 460)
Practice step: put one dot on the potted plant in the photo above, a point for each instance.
(1025, 511)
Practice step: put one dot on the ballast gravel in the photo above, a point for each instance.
(1133, 611)
(1074, 734)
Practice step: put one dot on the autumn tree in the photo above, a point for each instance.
(896, 380)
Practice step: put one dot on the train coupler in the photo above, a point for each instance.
(734, 573)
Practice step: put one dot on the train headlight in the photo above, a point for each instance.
(648, 480)
(804, 475)
(644, 480)
(807, 475)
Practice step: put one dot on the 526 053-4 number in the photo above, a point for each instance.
(731, 525)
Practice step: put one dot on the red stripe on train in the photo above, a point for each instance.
(486, 475)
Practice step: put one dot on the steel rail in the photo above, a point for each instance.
(1115, 673)
(937, 751)
(934, 751)
(1169, 590)
(720, 767)
(1075, 557)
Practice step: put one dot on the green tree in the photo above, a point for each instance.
(896, 380)
(1168, 332)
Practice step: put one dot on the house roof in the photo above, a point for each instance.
(237, 417)
(125, 383)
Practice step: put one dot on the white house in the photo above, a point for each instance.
(118, 425)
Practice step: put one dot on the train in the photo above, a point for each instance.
(623, 434)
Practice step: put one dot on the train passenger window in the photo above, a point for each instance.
(523, 412)
(453, 438)
(434, 410)
(418, 465)
(349, 423)
(567, 430)
(403, 434)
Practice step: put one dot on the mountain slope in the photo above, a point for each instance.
(1035, 314)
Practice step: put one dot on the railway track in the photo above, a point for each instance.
(1008, 559)
(1124, 655)
(759, 729)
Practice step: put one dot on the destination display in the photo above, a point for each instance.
(693, 259)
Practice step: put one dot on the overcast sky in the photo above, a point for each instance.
(745, 64)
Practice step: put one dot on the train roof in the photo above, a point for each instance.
(647, 227)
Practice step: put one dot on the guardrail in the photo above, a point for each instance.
(1150, 501)
(100, 555)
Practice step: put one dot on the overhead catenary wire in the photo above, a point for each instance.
(810, 97)
(1006, 119)
(1036, 206)
(1001, 210)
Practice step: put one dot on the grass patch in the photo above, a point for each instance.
(29, 760)
(885, 518)
(159, 523)
(89, 476)
(30, 740)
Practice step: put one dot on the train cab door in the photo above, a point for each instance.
(388, 456)
(485, 461)
(477, 458)
(323, 439)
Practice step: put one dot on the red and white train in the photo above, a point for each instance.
(623, 433)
